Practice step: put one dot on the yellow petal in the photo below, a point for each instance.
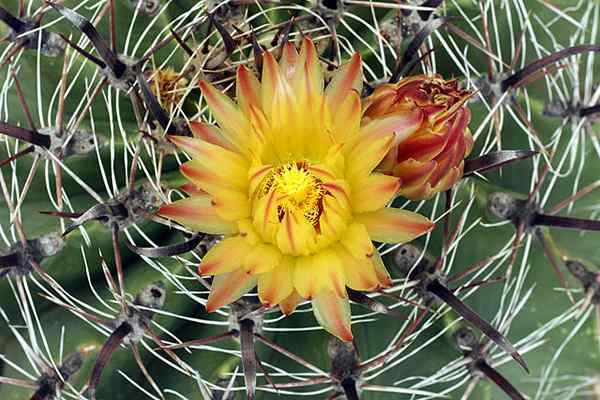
(227, 288)
(198, 214)
(333, 314)
(276, 285)
(360, 273)
(231, 120)
(321, 271)
(226, 256)
(357, 242)
(289, 304)
(209, 180)
(231, 205)
(247, 90)
(374, 192)
(365, 156)
(348, 77)
(262, 258)
(392, 225)
(248, 232)
(346, 118)
(308, 76)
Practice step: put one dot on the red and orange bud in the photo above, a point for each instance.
(430, 160)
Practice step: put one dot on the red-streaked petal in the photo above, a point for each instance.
(333, 314)
(392, 225)
(198, 214)
(211, 134)
(276, 285)
(262, 258)
(227, 288)
(374, 192)
(295, 236)
(357, 242)
(247, 90)
(289, 304)
(348, 77)
(231, 120)
(226, 256)
(255, 176)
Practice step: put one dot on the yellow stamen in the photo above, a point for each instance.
(299, 191)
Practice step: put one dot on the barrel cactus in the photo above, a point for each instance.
(330, 199)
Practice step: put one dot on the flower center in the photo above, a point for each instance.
(297, 191)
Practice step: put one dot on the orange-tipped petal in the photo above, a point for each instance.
(226, 256)
(262, 258)
(211, 134)
(357, 242)
(248, 90)
(221, 162)
(348, 77)
(383, 276)
(308, 75)
(276, 285)
(270, 82)
(289, 304)
(374, 192)
(231, 120)
(227, 288)
(333, 314)
(288, 60)
(198, 213)
(192, 190)
(392, 225)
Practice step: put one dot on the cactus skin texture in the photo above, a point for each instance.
(102, 296)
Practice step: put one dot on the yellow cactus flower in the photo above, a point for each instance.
(288, 177)
(168, 87)
(431, 159)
